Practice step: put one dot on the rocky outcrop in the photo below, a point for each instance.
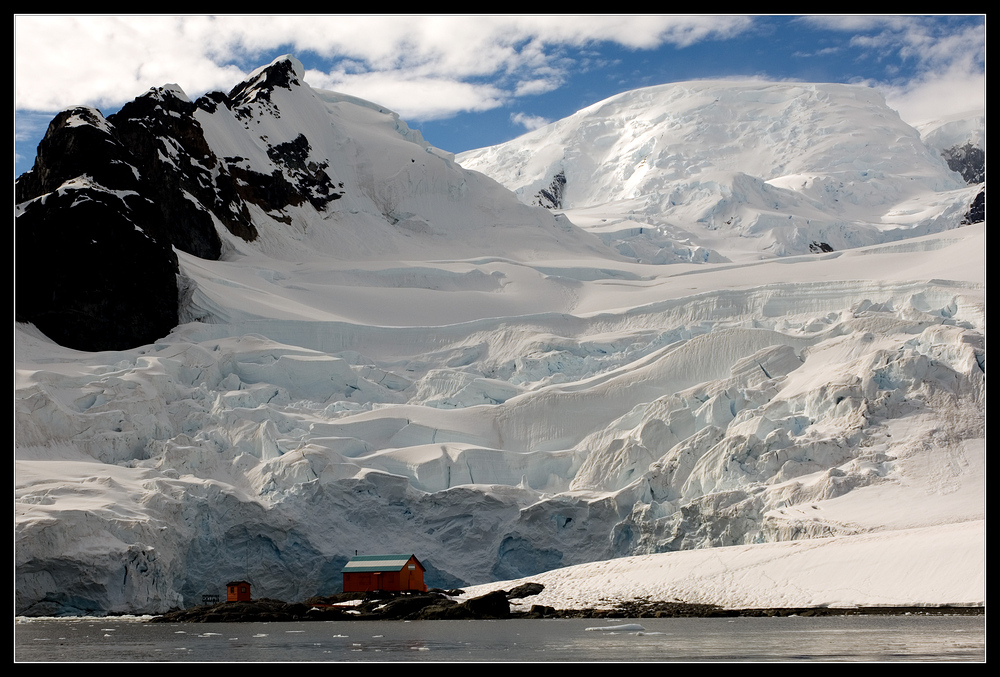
(551, 197)
(383, 607)
(820, 247)
(94, 269)
(170, 149)
(256, 611)
(107, 200)
(977, 210)
(89, 275)
(968, 160)
(493, 606)
(525, 590)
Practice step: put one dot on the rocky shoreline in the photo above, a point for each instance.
(440, 605)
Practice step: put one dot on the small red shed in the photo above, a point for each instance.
(238, 591)
(384, 572)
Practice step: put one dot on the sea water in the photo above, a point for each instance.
(837, 638)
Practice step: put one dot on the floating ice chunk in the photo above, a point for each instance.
(625, 627)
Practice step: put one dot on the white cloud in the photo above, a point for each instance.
(537, 86)
(938, 95)
(108, 60)
(105, 61)
(413, 96)
(949, 58)
(529, 122)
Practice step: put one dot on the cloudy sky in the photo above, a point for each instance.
(472, 81)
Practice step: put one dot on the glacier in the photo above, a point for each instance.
(654, 370)
(758, 168)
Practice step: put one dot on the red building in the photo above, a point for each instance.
(238, 591)
(384, 572)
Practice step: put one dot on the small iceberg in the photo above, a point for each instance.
(627, 627)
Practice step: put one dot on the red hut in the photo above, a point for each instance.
(238, 591)
(384, 572)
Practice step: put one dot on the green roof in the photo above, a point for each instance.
(378, 563)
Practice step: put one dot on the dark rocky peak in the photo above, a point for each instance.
(99, 215)
(170, 96)
(285, 72)
(78, 116)
(78, 142)
(164, 117)
(128, 189)
(168, 143)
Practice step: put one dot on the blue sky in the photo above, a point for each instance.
(476, 80)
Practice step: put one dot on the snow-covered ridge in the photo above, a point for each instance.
(784, 166)
(426, 365)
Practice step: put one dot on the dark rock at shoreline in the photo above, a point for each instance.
(261, 610)
(433, 605)
(490, 605)
(542, 611)
(405, 607)
(338, 598)
(454, 592)
(381, 606)
(525, 590)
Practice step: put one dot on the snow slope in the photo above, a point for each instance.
(709, 169)
(426, 365)
(914, 567)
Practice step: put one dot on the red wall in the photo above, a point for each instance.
(405, 579)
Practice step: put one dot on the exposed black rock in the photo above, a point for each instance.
(257, 611)
(279, 74)
(490, 605)
(79, 141)
(89, 275)
(525, 590)
(403, 606)
(155, 153)
(541, 611)
(311, 180)
(169, 146)
(551, 197)
(337, 598)
(94, 268)
(977, 210)
(967, 160)
(384, 607)
(817, 247)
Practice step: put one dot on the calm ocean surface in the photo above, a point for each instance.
(838, 638)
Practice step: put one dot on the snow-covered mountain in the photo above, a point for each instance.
(961, 140)
(762, 168)
(266, 329)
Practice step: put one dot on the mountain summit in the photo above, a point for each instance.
(777, 167)
(273, 166)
